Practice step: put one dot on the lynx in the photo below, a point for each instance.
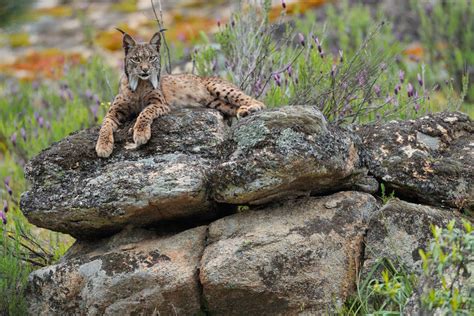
(144, 92)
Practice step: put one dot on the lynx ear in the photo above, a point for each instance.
(156, 40)
(128, 41)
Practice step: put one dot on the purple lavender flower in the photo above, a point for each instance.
(397, 89)
(301, 39)
(89, 94)
(9, 190)
(36, 115)
(94, 109)
(218, 22)
(5, 206)
(23, 133)
(35, 85)
(377, 90)
(277, 79)
(410, 90)
(232, 23)
(3, 217)
(420, 80)
(417, 107)
(289, 70)
(13, 139)
(333, 71)
(401, 76)
(318, 44)
(283, 4)
(41, 122)
(96, 99)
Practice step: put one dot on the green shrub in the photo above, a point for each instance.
(448, 262)
(445, 287)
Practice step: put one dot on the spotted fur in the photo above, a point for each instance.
(145, 93)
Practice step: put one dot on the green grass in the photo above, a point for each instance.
(32, 117)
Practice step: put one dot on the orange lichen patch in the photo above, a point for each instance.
(186, 28)
(300, 6)
(48, 63)
(19, 39)
(112, 39)
(58, 11)
(414, 52)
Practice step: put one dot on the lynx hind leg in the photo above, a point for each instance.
(223, 107)
(229, 93)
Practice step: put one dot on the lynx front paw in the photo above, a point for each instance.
(104, 147)
(141, 134)
(245, 110)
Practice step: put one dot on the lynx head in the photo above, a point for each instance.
(142, 60)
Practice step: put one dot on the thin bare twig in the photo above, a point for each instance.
(162, 31)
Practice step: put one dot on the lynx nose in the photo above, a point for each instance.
(145, 69)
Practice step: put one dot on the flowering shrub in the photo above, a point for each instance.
(353, 75)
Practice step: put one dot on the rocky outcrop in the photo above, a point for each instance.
(429, 160)
(286, 259)
(271, 215)
(134, 272)
(193, 161)
(297, 256)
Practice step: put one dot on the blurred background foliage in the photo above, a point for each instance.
(358, 61)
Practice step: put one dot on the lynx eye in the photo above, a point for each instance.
(153, 58)
(135, 60)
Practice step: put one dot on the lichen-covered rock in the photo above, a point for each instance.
(193, 162)
(287, 152)
(132, 273)
(429, 160)
(297, 257)
(74, 191)
(399, 230)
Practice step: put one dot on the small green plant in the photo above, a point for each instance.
(447, 264)
(385, 198)
(385, 290)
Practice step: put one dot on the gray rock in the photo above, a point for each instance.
(192, 162)
(287, 152)
(133, 273)
(429, 160)
(399, 230)
(300, 257)
(75, 192)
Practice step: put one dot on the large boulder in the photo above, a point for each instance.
(399, 230)
(75, 192)
(194, 164)
(290, 151)
(298, 257)
(132, 273)
(428, 160)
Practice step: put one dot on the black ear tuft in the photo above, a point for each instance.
(156, 40)
(128, 41)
